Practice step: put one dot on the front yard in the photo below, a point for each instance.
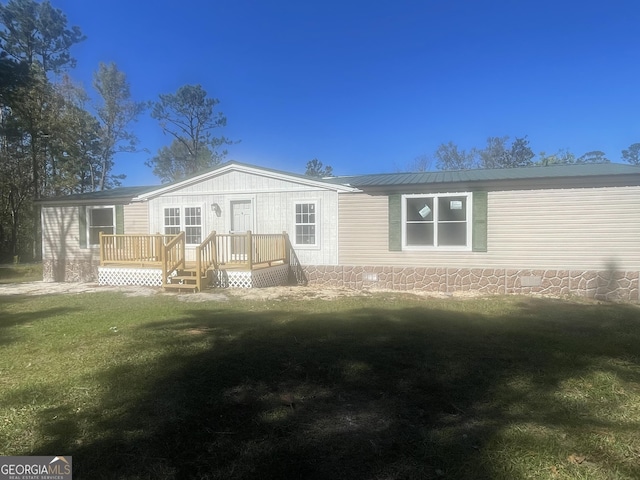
(382, 386)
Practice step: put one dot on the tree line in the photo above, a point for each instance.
(55, 140)
(499, 152)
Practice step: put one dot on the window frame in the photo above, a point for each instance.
(437, 222)
(316, 224)
(182, 221)
(89, 209)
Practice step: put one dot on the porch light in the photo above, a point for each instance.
(215, 208)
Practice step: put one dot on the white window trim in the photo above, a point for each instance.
(182, 225)
(306, 246)
(446, 248)
(88, 210)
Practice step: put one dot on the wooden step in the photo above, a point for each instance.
(185, 282)
(190, 286)
(183, 278)
(188, 271)
(181, 286)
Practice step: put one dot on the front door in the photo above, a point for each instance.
(241, 222)
(241, 216)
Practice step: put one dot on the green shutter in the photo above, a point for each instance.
(395, 223)
(479, 241)
(82, 226)
(119, 219)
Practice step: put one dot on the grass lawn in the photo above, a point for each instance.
(386, 386)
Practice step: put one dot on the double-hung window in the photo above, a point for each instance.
(306, 223)
(171, 221)
(193, 224)
(100, 219)
(437, 221)
(187, 219)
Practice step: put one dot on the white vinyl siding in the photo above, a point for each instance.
(578, 228)
(60, 234)
(273, 201)
(136, 218)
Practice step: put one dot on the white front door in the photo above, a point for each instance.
(241, 216)
(241, 222)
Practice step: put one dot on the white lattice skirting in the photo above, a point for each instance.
(145, 277)
(265, 277)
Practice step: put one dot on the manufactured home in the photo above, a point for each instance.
(559, 230)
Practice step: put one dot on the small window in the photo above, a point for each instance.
(100, 220)
(189, 221)
(432, 221)
(305, 224)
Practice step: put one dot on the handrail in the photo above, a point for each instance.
(173, 256)
(206, 257)
(296, 272)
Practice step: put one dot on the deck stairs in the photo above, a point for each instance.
(185, 279)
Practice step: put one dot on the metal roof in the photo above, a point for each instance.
(104, 196)
(386, 180)
(485, 175)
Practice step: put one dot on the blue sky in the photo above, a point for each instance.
(367, 86)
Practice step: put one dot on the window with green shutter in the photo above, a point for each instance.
(119, 211)
(82, 225)
(447, 221)
(480, 209)
(395, 223)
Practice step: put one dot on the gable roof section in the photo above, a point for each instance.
(251, 169)
(538, 175)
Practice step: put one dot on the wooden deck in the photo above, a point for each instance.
(217, 253)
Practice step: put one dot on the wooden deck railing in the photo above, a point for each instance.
(233, 249)
(229, 250)
(173, 256)
(206, 258)
(249, 250)
(296, 272)
(134, 250)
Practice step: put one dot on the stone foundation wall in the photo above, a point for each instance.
(602, 285)
(616, 285)
(70, 271)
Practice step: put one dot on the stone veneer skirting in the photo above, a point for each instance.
(602, 285)
(70, 271)
(611, 285)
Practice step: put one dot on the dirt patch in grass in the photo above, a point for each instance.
(219, 295)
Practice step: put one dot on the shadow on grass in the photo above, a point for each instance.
(9, 320)
(362, 394)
